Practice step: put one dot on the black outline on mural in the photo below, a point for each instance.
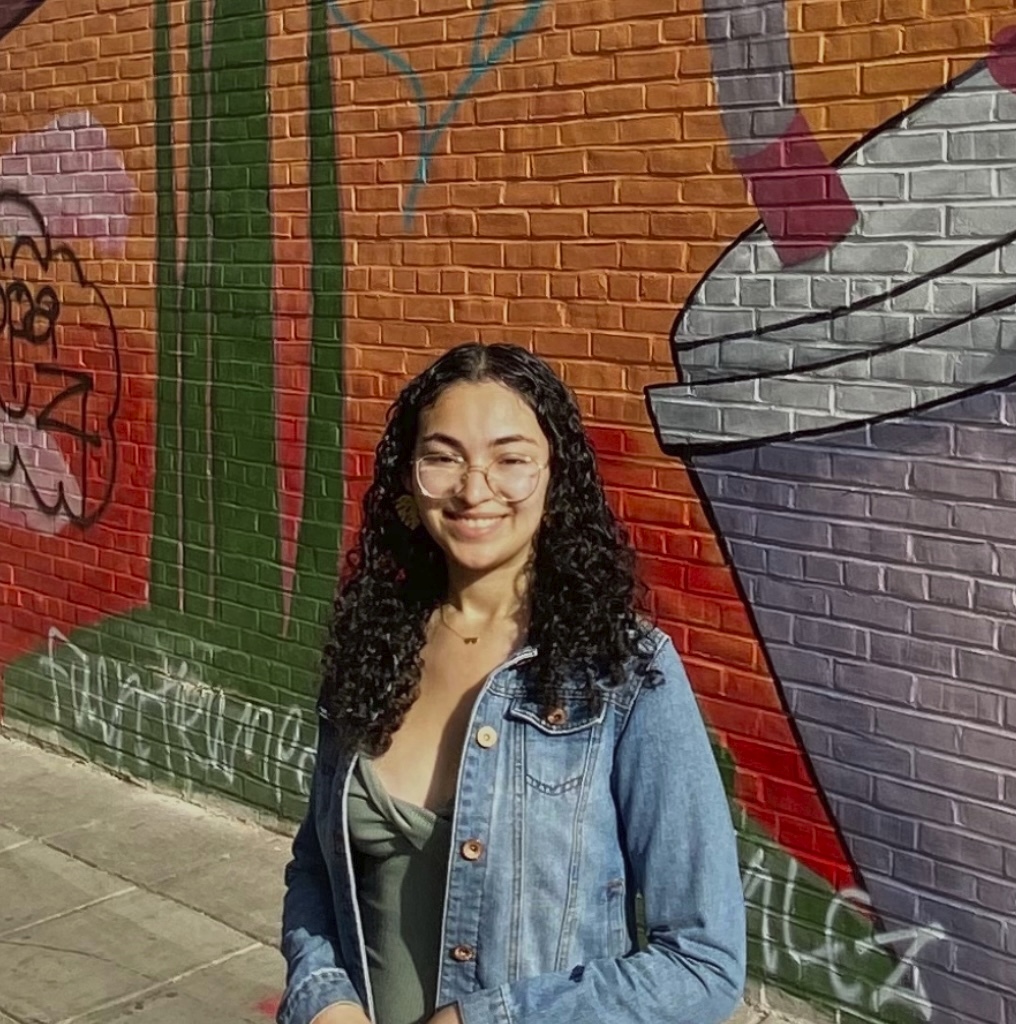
(15, 18)
(866, 910)
(687, 451)
(721, 541)
(80, 381)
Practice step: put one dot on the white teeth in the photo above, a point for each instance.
(477, 521)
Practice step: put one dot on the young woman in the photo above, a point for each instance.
(507, 753)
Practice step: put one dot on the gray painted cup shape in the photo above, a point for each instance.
(851, 427)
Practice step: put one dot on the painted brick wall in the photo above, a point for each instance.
(769, 245)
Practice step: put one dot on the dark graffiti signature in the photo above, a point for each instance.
(60, 374)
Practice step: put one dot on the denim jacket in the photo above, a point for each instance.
(559, 821)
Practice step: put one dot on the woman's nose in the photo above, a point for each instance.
(475, 489)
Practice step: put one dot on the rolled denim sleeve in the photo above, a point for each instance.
(315, 975)
(682, 850)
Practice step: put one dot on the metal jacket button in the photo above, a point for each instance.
(463, 953)
(472, 849)
(556, 716)
(486, 736)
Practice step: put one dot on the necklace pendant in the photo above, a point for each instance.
(470, 639)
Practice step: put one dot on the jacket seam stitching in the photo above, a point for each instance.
(651, 667)
(313, 976)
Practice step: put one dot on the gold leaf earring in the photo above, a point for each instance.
(407, 511)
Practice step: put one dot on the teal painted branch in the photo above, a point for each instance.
(320, 535)
(166, 536)
(198, 528)
(248, 577)
(480, 64)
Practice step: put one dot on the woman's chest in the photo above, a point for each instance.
(501, 758)
(421, 766)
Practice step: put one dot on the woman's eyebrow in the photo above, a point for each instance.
(442, 439)
(515, 439)
(452, 443)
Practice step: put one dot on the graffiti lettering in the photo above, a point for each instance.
(847, 964)
(60, 379)
(164, 715)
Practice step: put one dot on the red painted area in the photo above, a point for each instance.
(292, 301)
(269, 1006)
(799, 196)
(82, 575)
(1002, 58)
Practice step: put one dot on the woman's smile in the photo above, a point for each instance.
(469, 526)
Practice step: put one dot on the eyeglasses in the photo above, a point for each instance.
(511, 478)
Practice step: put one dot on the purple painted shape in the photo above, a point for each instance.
(799, 196)
(76, 181)
(23, 443)
(879, 563)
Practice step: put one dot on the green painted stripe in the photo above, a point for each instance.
(195, 311)
(320, 534)
(165, 552)
(244, 488)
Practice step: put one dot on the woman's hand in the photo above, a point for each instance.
(341, 1013)
(447, 1015)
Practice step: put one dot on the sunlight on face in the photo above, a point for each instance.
(480, 423)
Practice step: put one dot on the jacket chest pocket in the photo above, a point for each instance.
(558, 748)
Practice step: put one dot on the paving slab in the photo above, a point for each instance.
(70, 965)
(18, 761)
(747, 1015)
(241, 990)
(9, 839)
(39, 883)
(156, 837)
(44, 793)
(243, 889)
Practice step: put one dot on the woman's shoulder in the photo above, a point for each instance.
(650, 643)
(641, 666)
(651, 639)
(658, 663)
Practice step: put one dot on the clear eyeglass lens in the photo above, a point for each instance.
(512, 478)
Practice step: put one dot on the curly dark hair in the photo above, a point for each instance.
(584, 593)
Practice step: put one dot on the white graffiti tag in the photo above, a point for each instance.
(842, 959)
(165, 716)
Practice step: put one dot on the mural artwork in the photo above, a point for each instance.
(218, 267)
(849, 421)
(244, 546)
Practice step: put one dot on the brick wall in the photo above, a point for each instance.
(767, 243)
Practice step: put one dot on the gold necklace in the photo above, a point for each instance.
(447, 625)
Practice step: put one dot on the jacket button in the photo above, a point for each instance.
(556, 716)
(463, 954)
(486, 736)
(472, 849)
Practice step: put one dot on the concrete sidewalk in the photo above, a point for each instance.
(121, 904)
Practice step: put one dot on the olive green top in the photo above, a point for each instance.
(400, 855)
